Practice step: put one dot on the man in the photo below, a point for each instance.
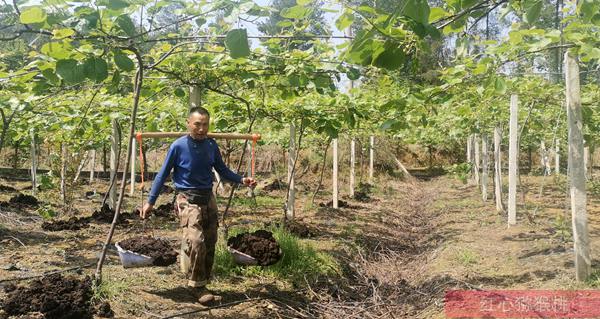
(192, 158)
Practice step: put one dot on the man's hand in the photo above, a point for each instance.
(249, 181)
(146, 210)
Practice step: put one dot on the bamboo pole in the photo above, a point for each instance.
(290, 211)
(335, 173)
(33, 163)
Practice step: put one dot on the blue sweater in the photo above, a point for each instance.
(192, 162)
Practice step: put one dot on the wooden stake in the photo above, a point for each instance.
(586, 161)
(576, 171)
(33, 163)
(513, 155)
(335, 173)
(290, 211)
(114, 151)
(498, 168)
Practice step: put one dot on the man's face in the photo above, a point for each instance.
(198, 125)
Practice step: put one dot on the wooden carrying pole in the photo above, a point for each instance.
(222, 136)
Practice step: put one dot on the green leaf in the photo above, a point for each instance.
(70, 71)
(344, 21)
(353, 74)
(236, 42)
(391, 58)
(58, 50)
(295, 12)
(51, 76)
(533, 8)
(95, 69)
(124, 22)
(62, 33)
(436, 14)
(117, 4)
(500, 86)
(123, 62)
(179, 92)
(200, 21)
(33, 15)
(418, 10)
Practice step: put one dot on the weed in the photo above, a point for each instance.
(299, 259)
(109, 288)
(460, 171)
(46, 212)
(467, 257)
(563, 227)
(594, 279)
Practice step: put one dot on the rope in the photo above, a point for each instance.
(138, 137)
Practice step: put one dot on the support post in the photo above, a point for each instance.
(513, 155)
(576, 171)
(92, 165)
(352, 164)
(335, 173)
(371, 157)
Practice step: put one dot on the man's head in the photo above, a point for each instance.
(197, 122)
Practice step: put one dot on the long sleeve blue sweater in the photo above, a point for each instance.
(192, 162)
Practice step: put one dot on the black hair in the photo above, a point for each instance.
(200, 110)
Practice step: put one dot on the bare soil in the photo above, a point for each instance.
(159, 249)
(55, 296)
(259, 244)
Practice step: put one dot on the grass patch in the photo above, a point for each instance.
(257, 201)
(299, 259)
(467, 257)
(109, 288)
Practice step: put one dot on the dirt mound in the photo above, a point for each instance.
(259, 244)
(72, 223)
(341, 204)
(22, 199)
(55, 296)
(299, 229)
(274, 185)
(5, 188)
(165, 210)
(106, 215)
(363, 192)
(159, 249)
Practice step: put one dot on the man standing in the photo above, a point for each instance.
(192, 158)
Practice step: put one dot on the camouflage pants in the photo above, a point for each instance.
(199, 225)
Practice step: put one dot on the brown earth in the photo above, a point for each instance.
(260, 244)
(159, 249)
(55, 296)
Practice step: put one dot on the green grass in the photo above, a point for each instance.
(261, 201)
(299, 259)
(109, 288)
(467, 257)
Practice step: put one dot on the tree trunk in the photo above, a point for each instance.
(92, 165)
(132, 170)
(477, 160)
(33, 164)
(371, 157)
(114, 158)
(63, 173)
(290, 210)
(577, 171)
(557, 157)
